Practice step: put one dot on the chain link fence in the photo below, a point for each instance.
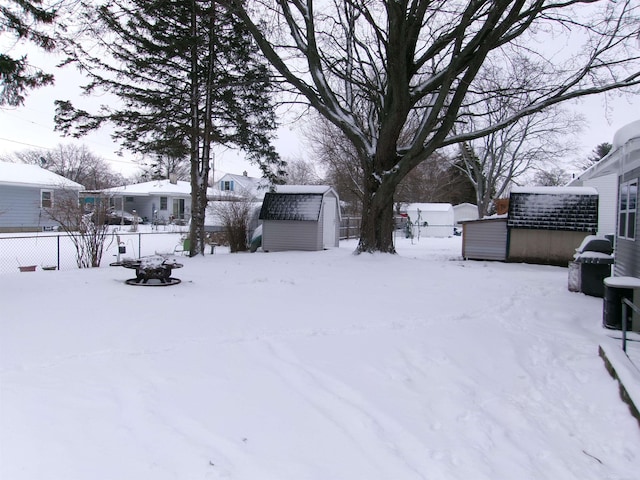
(56, 251)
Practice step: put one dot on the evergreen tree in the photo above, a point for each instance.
(187, 76)
(21, 18)
(598, 153)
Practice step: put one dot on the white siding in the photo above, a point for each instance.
(607, 187)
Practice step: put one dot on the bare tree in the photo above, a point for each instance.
(88, 230)
(302, 172)
(555, 177)
(235, 215)
(74, 162)
(498, 160)
(376, 69)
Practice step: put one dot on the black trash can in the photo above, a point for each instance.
(593, 260)
(591, 271)
(593, 275)
(615, 289)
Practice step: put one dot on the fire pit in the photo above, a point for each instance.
(152, 271)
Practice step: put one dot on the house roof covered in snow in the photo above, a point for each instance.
(21, 174)
(243, 186)
(154, 187)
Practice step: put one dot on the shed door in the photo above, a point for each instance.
(329, 223)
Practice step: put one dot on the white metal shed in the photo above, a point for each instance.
(431, 219)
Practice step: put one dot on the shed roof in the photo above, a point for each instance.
(291, 206)
(22, 174)
(572, 209)
(317, 189)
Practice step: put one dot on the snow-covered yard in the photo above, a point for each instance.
(319, 366)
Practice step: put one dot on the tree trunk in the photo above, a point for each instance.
(376, 231)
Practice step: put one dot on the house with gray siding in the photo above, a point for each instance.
(27, 192)
(620, 171)
(300, 217)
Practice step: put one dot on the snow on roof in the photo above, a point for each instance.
(154, 187)
(33, 175)
(314, 189)
(626, 133)
(429, 207)
(556, 190)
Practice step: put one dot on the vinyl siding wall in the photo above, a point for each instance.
(607, 187)
(20, 209)
(485, 239)
(281, 235)
(627, 251)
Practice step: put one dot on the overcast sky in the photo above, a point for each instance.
(31, 126)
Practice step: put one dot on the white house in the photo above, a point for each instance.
(618, 176)
(231, 185)
(157, 200)
(431, 219)
(26, 193)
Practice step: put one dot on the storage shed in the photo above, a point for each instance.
(463, 212)
(300, 217)
(431, 219)
(546, 224)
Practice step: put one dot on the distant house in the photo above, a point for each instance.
(26, 193)
(300, 217)
(617, 177)
(544, 225)
(231, 185)
(157, 200)
(431, 219)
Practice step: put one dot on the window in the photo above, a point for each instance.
(627, 210)
(226, 185)
(46, 198)
(163, 203)
(128, 199)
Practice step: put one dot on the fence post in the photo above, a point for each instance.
(624, 325)
(58, 241)
(139, 245)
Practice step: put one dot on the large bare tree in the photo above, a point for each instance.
(499, 160)
(374, 68)
(75, 162)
